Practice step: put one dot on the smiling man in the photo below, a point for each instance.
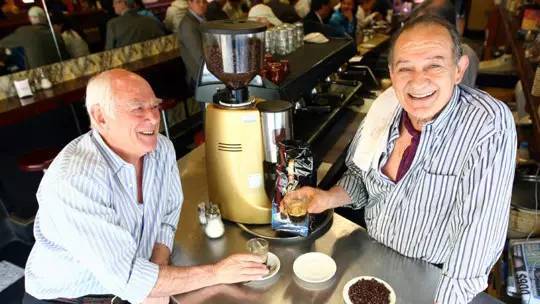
(109, 207)
(435, 176)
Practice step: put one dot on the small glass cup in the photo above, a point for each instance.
(297, 209)
(258, 246)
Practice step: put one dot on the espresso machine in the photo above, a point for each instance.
(237, 132)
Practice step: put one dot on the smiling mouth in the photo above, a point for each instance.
(147, 133)
(421, 96)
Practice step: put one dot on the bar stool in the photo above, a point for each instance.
(165, 105)
(37, 160)
(13, 229)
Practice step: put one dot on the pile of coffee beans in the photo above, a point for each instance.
(369, 292)
(251, 65)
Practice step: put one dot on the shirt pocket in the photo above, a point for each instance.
(435, 190)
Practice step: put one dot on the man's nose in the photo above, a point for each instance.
(419, 78)
(152, 114)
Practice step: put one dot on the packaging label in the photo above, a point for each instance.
(249, 118)
(255, 181)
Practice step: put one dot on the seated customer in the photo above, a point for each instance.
(109, 207)
(174, 15)
(130, 27)
(143, 11)
(190, 39)
(283, 11)
(432, 164)
(73, 39)
(233, 9)
(315, 20)
(263, 13)
(36, 41)
(215, 10)
(365, 14)
(343, 19)
(302, 8)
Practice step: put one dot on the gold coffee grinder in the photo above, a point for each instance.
(235, 153)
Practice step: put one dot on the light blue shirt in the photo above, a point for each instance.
(452, 205)
(92, 236)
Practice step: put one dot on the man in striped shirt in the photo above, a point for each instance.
(439, 189)
(109, 207)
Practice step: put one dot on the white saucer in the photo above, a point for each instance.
(351, 282)
(274, 263)
(314, 267)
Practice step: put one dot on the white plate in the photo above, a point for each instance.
(351, 282)
(274, 263)
(314, 267)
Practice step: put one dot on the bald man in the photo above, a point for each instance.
(109, 207)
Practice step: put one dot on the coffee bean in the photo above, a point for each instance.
(369, 292)
(250, 65)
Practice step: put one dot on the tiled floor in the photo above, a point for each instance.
(16, 253)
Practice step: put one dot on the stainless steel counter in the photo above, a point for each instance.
(348, 244)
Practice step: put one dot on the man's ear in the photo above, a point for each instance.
(98, 117)
(462, 65)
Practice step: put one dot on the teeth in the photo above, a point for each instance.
(147, 132)
(421, 95)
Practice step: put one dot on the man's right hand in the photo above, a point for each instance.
(239, 268)
(319, 200)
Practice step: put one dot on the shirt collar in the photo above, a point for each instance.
(115, 161)
(435, 123)
(201, 19)
(320, 19)
(443, 116)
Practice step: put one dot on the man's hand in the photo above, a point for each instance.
(159, 300)
(239, 268)
(160, 254)
(319, 200)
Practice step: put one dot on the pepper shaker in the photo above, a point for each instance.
(201, 211)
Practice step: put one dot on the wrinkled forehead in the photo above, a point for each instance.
(131, 87)
(422, 39)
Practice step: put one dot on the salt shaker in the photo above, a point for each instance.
(45, 83)
(214, 225)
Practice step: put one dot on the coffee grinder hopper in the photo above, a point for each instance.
(233, 52)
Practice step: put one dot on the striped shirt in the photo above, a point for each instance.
(92, 236)
(452, 205)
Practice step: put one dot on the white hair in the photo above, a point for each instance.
(99, 93)
(37, 15)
